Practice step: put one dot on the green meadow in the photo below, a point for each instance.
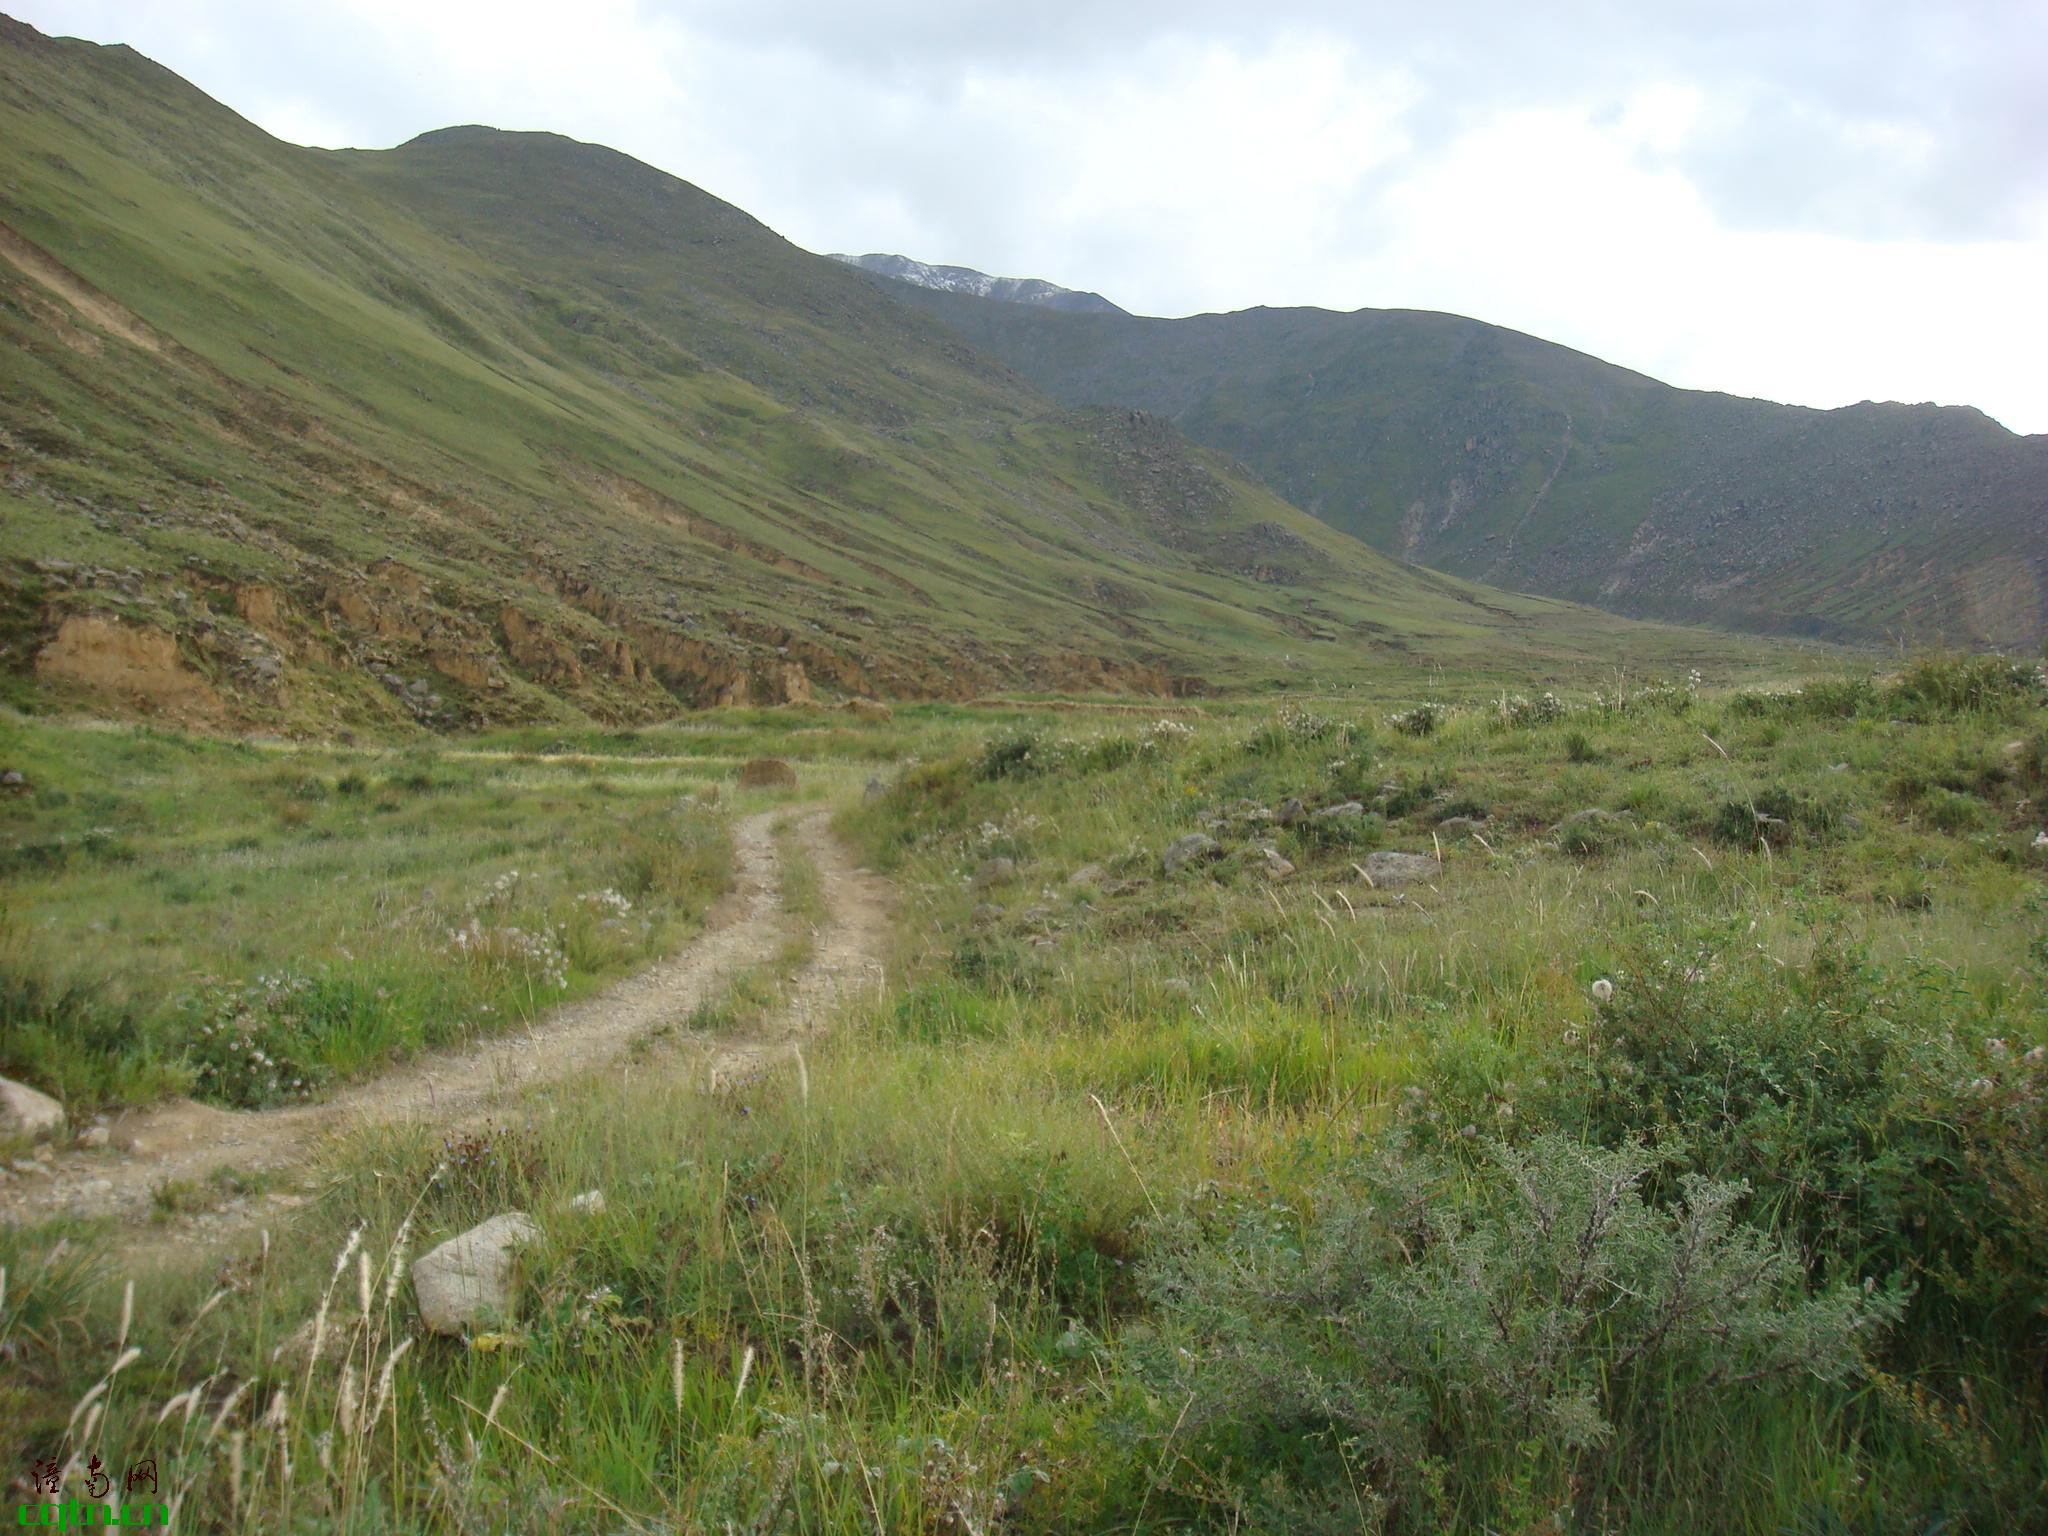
(1667, 1153)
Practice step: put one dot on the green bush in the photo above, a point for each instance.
(1965, 685)
(1882, 1123)
(67, 1037)
(1011, 757)
(1425, 1344)
(1774, 815)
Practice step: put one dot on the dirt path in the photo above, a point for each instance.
(188, 1141)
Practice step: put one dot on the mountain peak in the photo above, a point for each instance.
(1009, 290)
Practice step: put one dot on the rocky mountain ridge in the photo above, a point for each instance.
(1005, 290)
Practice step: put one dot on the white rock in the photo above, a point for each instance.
(591, 1200)
(1400, 868)
(26, 1112)
(469, 1277)
(93, 1137)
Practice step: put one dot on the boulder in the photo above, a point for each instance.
(1458, 826)
(1399, 868)
(1185, 850)
(1275, 864)
(469, 1278)
(1341, 812)
(1594, 819)
(996, 871)
(1087, 874)
(767, 773)
(28, 1112)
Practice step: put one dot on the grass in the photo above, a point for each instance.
(989, 1262)
(342, 907)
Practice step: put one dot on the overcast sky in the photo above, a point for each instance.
(1806, 200)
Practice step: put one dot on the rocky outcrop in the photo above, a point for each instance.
(138, 664)
(536, 652)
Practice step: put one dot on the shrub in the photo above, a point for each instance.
(1882, 1124)
(257, 1044)
(1966, 685)
(1475, 1349)
(68, 1037)
(1773, 815)
(1422, 720)
(1010, 757)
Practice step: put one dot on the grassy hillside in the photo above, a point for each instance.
(1511, 460)
(496, 427)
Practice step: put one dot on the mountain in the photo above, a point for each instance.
(1507, 459)
(1007, 290)
(501, 426)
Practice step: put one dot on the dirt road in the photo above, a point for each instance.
(188, 1141)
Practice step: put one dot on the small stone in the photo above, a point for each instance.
(1289, 811)
(1458, 826)
(13, 778)
(1384, 869)
(26, 1111)
(1275, 864)
(1087, 874)
(1185, 850)
(985, 912)
(1593, 818)
(1179, 986)
(1344, 812)
(990, 872)
(469, 1278)
(1838, 767)
(93, 1137)
(591, 1202)
(1038, 914)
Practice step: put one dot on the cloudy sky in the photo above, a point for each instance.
(1809, 200)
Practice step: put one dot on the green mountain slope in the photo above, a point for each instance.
(1511, 460)
(499, 426)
